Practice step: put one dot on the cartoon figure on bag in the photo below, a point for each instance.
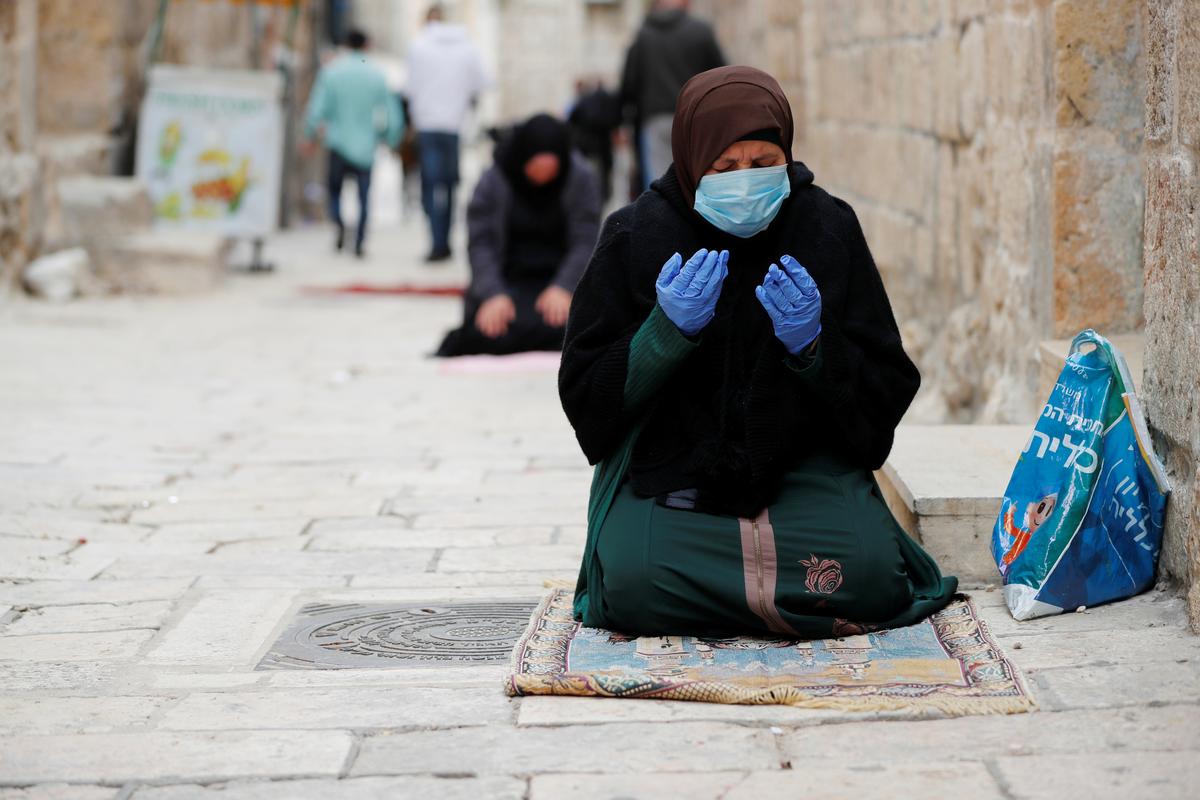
(1035, 514)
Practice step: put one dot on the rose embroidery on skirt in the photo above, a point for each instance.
(824, 575)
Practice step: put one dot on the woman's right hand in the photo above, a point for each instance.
(495, 315)
(688, 292)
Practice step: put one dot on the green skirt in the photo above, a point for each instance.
(826, 559)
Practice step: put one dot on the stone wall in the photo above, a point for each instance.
(20, 198)
(1172, 277)
(545, 46)
(1023, 169)
(992, 151)
(769, 34)
(87, 58)
(71, 79)
(91, 56)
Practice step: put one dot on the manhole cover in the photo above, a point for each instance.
(356, 636)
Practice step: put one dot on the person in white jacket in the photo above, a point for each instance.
(445, 76)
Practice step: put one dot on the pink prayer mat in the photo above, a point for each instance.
(516, 363)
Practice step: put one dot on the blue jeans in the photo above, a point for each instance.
(438, 152)
(339, 169)
(655, 147)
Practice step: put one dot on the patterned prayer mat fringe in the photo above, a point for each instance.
(578, 685)
(950, 701)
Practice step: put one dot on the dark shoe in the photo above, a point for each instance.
(437, 255)
(359, 252)
(340, 241)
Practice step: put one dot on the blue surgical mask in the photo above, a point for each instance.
(745, 201)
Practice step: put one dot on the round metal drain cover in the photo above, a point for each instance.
(356, 636)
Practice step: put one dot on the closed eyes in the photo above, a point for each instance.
(768, 161)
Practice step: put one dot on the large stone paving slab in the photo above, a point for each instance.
(385, 564)
(489, 677)
(848, 778)
(60, 791)
(978, 738)
(832, 781)
(681, 747)
(554, 711)
(90, 676)
(158, 756)
(346, 708)
(225, 628)
(1113, 685)
(351, 789)
(65, 593)
(90, 618)
(1106, 776)
(34, 715)
(351, 635)
(102, 646)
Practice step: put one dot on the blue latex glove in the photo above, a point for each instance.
(793, 302)
(688, 292)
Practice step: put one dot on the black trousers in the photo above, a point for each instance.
(339, 170)
(527, 332)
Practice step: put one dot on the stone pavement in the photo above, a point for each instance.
(180, 477)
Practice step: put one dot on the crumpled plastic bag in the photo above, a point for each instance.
(1081, 522)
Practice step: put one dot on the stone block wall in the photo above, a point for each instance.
(540, 42)
(991, 149)
(1172, 276)
(87, 56)
(70, 83)
(545, 46)
(1023, 169)
(769, 34)
(21, 215)
(1098, 181)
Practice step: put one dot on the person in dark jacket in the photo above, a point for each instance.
(595, 118)
(670, 48)
(531, 226)
(733, 368)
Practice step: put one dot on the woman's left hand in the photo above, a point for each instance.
(793, 302)
(554, 303)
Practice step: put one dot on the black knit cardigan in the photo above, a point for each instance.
(739, 412)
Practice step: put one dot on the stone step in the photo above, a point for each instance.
(162, 262)
(62, 158)
(75, 154)
(1052, 355)
(944, 484)
(96, 208)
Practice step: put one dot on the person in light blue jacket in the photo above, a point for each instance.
(352, 110)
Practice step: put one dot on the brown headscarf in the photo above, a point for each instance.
(716, 109)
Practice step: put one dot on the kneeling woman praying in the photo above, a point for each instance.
(733, 368)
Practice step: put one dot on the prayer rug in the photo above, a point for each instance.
(455, 290)
(948, 664)
(535, 361)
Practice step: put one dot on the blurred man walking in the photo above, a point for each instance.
(352, 110)
(670, 48)
(445, 76)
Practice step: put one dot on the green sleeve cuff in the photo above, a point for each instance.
(657, 348)
(807, 364)
(661, 336)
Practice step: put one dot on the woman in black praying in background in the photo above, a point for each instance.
(733, 368)
(531, 227)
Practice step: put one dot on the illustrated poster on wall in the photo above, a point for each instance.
(210, 149)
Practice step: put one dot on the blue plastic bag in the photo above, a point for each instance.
(1082, 518)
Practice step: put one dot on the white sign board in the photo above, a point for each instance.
(210, 149)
